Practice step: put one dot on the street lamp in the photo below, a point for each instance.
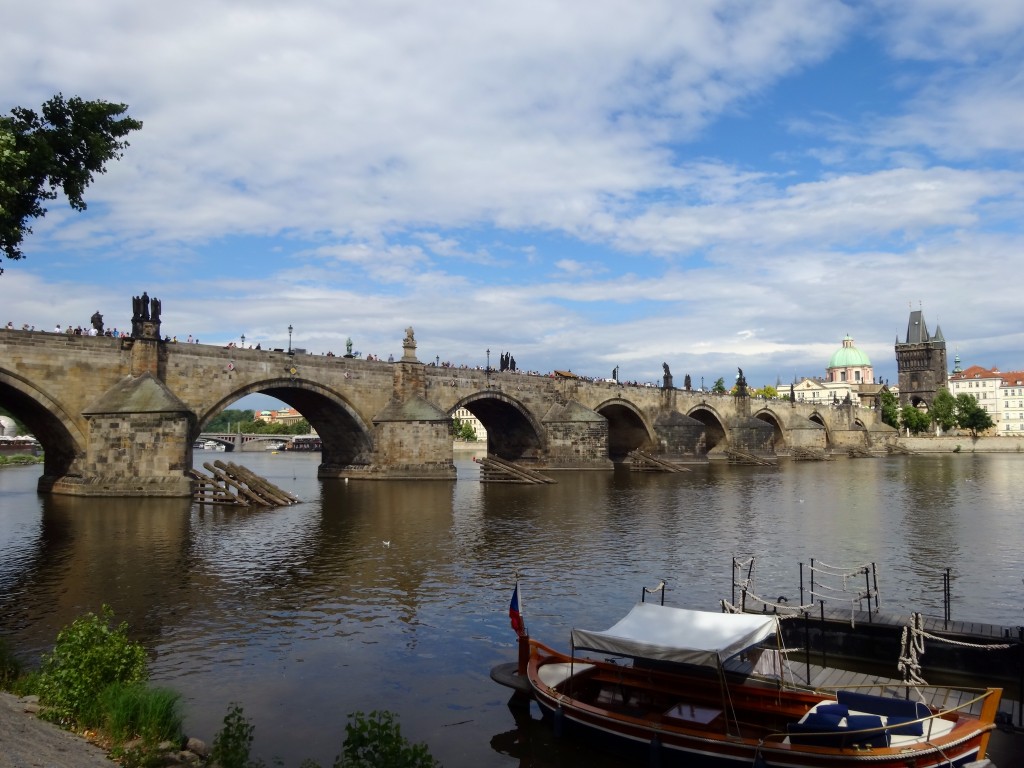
(488, 366)
(701, 383)
(289, 338)
(243, 341)
(437, 361)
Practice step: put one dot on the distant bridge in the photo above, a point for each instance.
(243, 441)
(119, 416)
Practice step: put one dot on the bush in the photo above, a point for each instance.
(233, 742)
(89, 656)
(376, 740)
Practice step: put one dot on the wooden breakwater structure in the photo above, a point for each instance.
(495, 470)
(641, 461)
(234, 485)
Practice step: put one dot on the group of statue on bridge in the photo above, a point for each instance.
(144, 310)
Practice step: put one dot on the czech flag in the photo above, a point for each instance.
(514, 615)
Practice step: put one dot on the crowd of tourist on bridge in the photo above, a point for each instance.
(508, 365)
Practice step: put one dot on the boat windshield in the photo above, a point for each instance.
(651, 631)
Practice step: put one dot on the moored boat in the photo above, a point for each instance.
(671, 698)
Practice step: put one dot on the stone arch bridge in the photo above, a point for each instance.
(118, 417)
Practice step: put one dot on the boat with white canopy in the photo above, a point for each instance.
(683, 690)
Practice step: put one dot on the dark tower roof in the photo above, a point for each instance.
(917, 331)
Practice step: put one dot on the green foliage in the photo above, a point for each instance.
(233, 742)
(244, 421)
(890, 409)
(19, 459)
(463, 430)
(228, 420)
(129, 711)
(719, 386)
(60, 149)
(971, 416)
(376, 740)
(943, 410)
(917, 421)
(768, 392)
(89, 656)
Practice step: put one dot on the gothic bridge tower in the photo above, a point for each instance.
(921, 362)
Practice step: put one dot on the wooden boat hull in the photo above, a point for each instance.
(693, 733)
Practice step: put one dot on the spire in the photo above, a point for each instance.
(917, 331)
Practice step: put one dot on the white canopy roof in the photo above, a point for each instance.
(652, 631)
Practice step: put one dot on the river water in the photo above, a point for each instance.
(394, 595)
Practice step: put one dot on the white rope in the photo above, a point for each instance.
(652, 590)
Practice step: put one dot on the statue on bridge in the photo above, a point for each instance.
(145, 312)
(97, 322)
(667, 378)
(741, 384)
(409, 346)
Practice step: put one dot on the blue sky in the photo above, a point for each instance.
(709, 184)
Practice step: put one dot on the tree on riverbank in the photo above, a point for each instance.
(971, 416)
(61, 148)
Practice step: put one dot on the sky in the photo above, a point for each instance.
(585, 185)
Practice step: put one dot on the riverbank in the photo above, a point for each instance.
(25, 740)
(963, 444)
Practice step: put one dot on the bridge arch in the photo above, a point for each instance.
(769, 416)
(61, 438)
(346, 437)
(628, 429)
(513, 433)
(818, 418)
(714, 425)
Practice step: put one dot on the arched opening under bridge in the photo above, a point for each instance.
(778, 436)
(626, 430)
(511, 432)
(345, 439)
(60, 439)
(714, 430)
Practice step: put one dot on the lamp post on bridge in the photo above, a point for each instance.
(289, 338)
(488, 366)
(243, 341)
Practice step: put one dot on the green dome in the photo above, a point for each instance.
(848, 356)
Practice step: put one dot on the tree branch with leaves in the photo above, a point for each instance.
(61, 148)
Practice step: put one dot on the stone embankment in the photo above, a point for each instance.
(963, 444)
(28, 742)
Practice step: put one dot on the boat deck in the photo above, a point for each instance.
(832, 677)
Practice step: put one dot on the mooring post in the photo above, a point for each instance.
(524, 654)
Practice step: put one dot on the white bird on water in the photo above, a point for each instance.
(386, 543)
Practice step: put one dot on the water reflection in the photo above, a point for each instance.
(303, 614)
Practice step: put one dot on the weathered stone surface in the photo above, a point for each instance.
(117, 419)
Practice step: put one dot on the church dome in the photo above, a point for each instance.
(848, 356)
(7, 426)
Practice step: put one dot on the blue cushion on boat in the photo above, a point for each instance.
(862, 723)
(905, 725)
(832, 709)
(817, 729)
(881, 705)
